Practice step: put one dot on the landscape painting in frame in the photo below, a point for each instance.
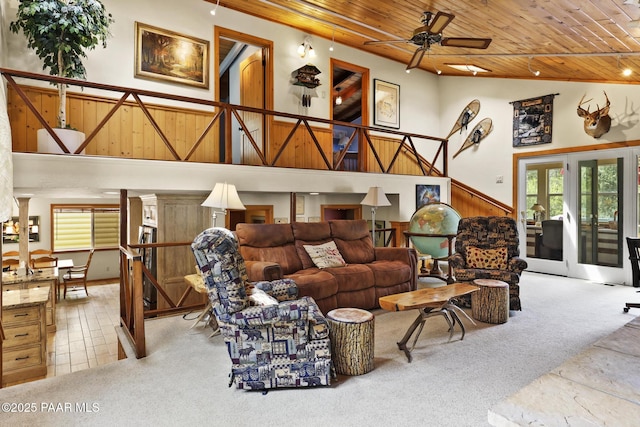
(426, 194)
(166, 55)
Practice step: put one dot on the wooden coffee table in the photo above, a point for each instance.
(429, 302)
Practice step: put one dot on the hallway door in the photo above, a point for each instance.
(252, 95)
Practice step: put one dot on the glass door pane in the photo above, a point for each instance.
(599, 205)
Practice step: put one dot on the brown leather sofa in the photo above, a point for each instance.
(273, 251)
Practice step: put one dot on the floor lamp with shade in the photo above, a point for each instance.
(224, 196)
(375, 197)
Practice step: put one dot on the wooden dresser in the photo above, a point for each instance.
(44, 278)
(24, 351)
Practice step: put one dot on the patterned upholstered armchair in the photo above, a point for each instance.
(273, 339)
(487, 248)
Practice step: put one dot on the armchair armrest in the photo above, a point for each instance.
(269, 315)
(282, 289)
(517, 265)
(263, 270)
(456, 261)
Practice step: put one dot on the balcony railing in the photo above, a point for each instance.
(276, 141)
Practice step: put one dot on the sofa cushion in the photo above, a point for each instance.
(311, 231)
(390, 273)
(264, 235)
(315, 283)
(489, 259)
(353, 240)
(325, 255)
(352, 277)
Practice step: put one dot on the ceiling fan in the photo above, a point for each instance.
(430, 33)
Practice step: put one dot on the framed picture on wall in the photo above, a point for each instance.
(167, 55)
(426, 194)
(386, 108)
(11, 230)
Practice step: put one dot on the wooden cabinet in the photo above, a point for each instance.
(177, 218)
(48, 278)
(24, 351)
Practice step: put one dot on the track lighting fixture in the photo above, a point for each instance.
(306, 49)
(213, 11)
(625, 71)
(535, 73)
(333, 39)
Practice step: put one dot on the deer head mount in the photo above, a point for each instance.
(597, 123)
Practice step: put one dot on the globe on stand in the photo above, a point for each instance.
(435, 220)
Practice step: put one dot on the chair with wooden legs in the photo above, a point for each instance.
(76, 276)
(10, 260)
(10, 264)
(39, 252)
(634, 256)
(44, 262)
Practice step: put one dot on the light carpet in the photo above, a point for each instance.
(184, 378)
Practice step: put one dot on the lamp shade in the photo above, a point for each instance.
(224, 196)
(375, 197)
(538, 208)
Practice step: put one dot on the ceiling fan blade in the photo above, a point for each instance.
(440, 21)
(436, 25)
(416, 58)
(469, 42)
(374, 42)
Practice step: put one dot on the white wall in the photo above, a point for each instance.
(429, 104)
(479, 166)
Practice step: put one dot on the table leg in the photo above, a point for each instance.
(423, 315)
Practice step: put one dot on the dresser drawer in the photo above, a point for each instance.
(12, 287)
(22, 358)
(11, 316)
(21, 335)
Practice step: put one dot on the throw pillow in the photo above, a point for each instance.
(489, 259)
(325, 255)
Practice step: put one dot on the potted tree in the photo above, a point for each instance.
(60, 31)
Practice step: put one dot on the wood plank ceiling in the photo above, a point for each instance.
(568, 40)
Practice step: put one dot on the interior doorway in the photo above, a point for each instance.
(328, 212)
(244, 72)
(350, 94)
(254, 214)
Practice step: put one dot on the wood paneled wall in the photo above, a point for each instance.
(130, 134)
(127, 134)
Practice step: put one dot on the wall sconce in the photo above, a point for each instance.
(223, 197)
(306, 49)
(374, 198)
(338, 98)
(535, 73)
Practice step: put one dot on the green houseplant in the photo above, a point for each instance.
(60, 31)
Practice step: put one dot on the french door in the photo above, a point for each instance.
(594, 196)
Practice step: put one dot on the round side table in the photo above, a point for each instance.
(490, 303)
(351, 334)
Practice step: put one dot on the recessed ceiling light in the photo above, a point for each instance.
(314, 194)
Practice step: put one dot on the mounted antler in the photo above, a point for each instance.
(597, 123)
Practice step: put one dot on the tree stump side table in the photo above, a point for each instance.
(351, 334)
(490, 304)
